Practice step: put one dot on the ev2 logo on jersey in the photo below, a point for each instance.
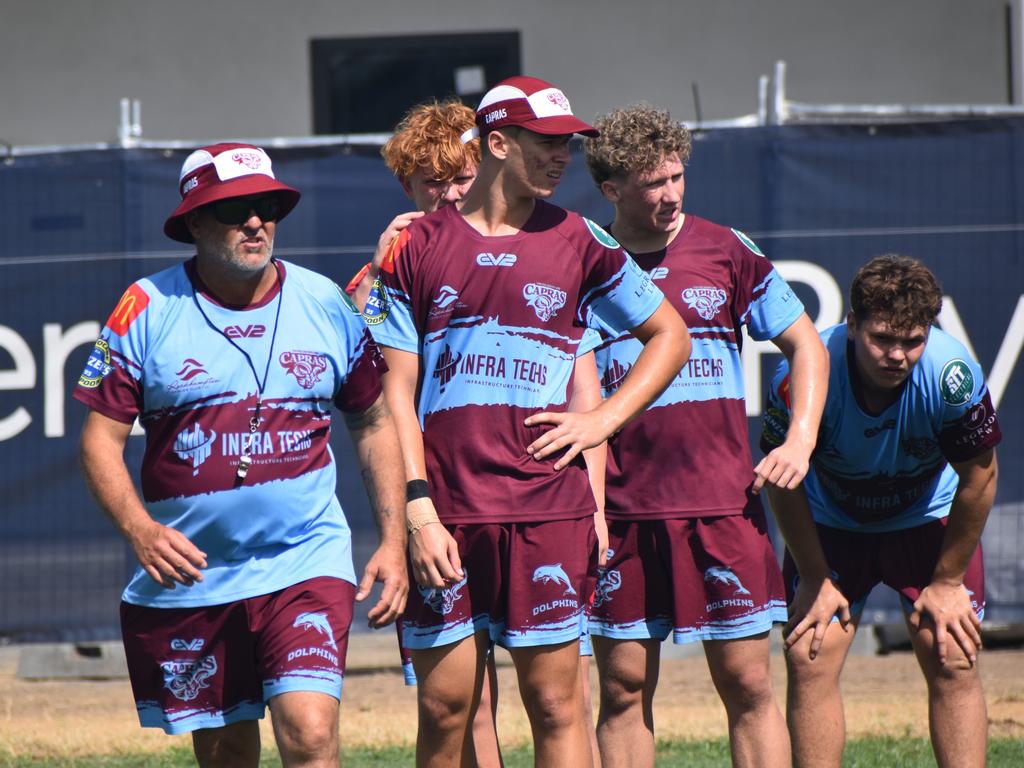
(501, 260)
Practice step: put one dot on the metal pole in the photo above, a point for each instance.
(762, 100)
(779, 108)
(1017, 51)
(136, 118)
(124, 128)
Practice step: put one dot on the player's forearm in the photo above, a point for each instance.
(376, 443)
(967, 517)
(106, 476)
(796, 524)
(665, 351)
(808, 387)
(400, 393)
(586, 396)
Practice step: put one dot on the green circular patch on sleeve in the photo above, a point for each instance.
(751, 245)
(956, 382)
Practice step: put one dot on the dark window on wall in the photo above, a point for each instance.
(366, 84)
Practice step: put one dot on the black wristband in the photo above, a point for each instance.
(416, 489)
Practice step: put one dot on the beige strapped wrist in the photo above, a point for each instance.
(414, 520)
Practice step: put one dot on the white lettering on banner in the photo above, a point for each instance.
(21, 376)
(830, 312)
(57, 345)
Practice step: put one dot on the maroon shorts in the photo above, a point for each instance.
(709, 578)
(526, 584)
(903, 560)
(208, 667)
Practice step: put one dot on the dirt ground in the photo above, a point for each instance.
(883, 695)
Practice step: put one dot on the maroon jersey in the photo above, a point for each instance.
(688, 455)
(497, 322)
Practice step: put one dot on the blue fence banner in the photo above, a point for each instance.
(79, 227)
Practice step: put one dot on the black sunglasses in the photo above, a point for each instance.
(238, 210)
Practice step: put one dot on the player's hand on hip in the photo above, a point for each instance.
(784, 467)
(400, 222)
(814, 605)
(949, 608)
(573, 432)
(435, 557)
(167, 555)
(387, 565)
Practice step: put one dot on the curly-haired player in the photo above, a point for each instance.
(689, 553)
(900, 486)
(434, 166)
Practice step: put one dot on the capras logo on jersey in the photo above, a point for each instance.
(501, 260)
(919, 447)
(185, 679)
(544, 299)
(885, 425)
(194, 445)
(443, 601)
(306, 367)
(706, 300)
(658, 273)
(554, 574)
(245, 332)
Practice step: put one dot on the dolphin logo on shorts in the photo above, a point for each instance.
(546, 574)
(722, 575)
(442, 601)
(317, 621)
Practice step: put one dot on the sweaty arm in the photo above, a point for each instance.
(786, 465)
(164, 553)
(376, 443)
(666, 343)
(586, 395)
(817, 598)
(434, 553)
(945, 600)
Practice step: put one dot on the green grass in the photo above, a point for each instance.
(860, 753)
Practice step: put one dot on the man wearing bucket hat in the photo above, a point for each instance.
(481, 308)
(243, 594)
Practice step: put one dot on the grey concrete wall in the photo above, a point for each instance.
(207, 69)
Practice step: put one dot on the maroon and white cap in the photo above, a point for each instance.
(528, 102)
(220, 172)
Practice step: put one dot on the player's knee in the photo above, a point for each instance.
(747, 688)
(621, 691)
(314, 738)
(441, 710)
(228, 747)
(553, 708)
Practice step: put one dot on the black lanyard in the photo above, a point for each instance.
(245, 459)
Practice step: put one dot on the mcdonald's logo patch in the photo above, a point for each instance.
(132, 302)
